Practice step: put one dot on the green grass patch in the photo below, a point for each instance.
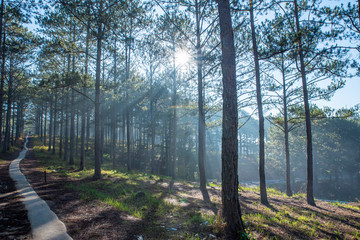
(122, 196)
(345, 205)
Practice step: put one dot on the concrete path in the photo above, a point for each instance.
(45, 225)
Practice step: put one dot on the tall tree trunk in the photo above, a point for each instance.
(66, 130)
(201, 119)
(45, 123)
(286, 132)
(229, 153)
(309, 190)
(19, 119)
(13, 124)
(72, 128)
(173, 119)
(41, 120)
(103, 119)
(54, 137)
(97, 174)
(263, 194)
(37, 120)
(88, 113)
(76, 133)
(51, 121)
(114, 111)
(127, 114)
(61, 124)
(83, 109)
(8, 114)
(152, 122)
(72, 110)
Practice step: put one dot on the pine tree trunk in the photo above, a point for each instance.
(263, 194)
(6, 145)
(97, 174)
(234, 228)
(309, 152)
(54, 136)
(51, 122)
(114, 111)
(61, 125)
(72, 128)
(13, 125)
(88, 112)
(45, 123)
(128, 136)
(66, 130)
(41, 120)
(77, 133)
(286, 132)
(201, 117)
(173, 120)
(83, 109)
(19, 119)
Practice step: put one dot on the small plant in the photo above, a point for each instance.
(196, 219)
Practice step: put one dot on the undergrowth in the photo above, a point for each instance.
(148, 198)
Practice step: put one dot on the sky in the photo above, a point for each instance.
(346, 97)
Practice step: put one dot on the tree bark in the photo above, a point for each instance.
(72, 128)
(54, 113)
(51, 121)
(309, 152)
(286, 132)
(83, 109)
(152, 122)
(6, 145)
(127, 114)
(97, 174)
(88, 113)
(13, 123)
(201, 118)
(114, 111)
(234, 228)
(19, 118)
(41, 120)
(66, 140)
(173, 121)
(45, 123)
(61, 125)
(263, 194)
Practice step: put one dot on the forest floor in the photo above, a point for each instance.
(14, 223)
(140, 206)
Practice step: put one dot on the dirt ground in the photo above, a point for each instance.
(83, 219)
(14, 223)
(95, 220)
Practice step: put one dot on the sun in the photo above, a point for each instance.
(182, 57)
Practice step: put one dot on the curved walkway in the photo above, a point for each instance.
(45, 225)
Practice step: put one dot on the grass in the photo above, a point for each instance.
(140, 195)
(122, 196)
(345, 205)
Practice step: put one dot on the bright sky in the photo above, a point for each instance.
(346, 97)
